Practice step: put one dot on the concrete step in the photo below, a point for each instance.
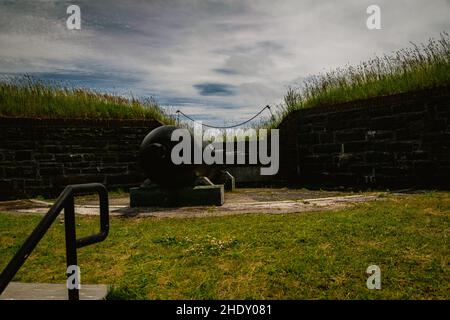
(51, 291)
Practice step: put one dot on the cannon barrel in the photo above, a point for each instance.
(155, 160)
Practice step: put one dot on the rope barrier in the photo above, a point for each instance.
(223, 127)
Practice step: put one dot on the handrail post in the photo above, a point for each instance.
(65, 201)
(71, 248)
(30, 243)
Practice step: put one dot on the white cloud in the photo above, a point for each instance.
(168, 47)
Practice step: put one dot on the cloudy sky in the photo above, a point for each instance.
(218, 61)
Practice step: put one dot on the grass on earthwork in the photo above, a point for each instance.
(315, 255)
(28, 97)
(417, 67)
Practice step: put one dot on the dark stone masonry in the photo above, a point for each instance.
(398, 141)
(42, 156)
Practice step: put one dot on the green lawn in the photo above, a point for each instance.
(316, 255)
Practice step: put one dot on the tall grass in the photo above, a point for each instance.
(28, 97)
(418, 67)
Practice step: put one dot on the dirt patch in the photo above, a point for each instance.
(15, 205)
(240, 196)
(280, 194)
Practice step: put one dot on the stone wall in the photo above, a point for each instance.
(398, 141)
(251, 177)
(41, 157)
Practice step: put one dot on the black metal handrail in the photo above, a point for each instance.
(65, 201)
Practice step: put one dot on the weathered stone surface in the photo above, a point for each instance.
(40, 157)
(394, 141)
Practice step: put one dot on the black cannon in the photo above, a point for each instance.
(155, 160)
(199, 175)
(170, 184)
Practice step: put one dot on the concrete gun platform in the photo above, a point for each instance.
(242, 201)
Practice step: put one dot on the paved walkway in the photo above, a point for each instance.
(261, 200)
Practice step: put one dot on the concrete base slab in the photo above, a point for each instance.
(155, 196)
(51, 291)
(263, 207)
(242, 201)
